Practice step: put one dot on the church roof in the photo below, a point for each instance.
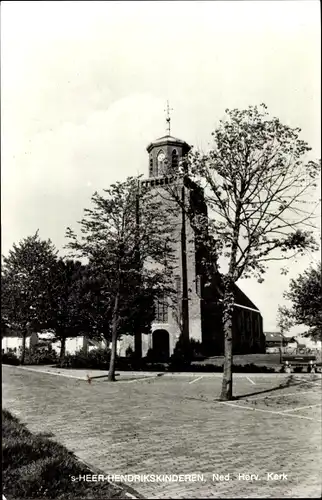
(240, 298)
(168, 139)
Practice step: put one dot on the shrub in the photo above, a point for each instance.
(99, 358)
(123, 363)
(94, 359)
(250, 368)
(9, 358)
(77, 360)
(183, 353)
(129, 353)
(130, 363)
(181, 367)
(41, 356)
(151, 356)
(197, 350)
(156, 367)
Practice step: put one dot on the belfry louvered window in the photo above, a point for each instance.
(174, 159)
(160, 163)
(198, 285)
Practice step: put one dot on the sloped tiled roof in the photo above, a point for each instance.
(14, 334)
(240, 297)
(168, 139)
(274, 336)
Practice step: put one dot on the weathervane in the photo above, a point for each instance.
(168, 118)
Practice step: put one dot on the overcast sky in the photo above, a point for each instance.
(84, 86)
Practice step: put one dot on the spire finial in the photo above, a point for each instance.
(168, 118)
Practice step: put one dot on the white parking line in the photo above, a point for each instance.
(195, 380)
(282, 395)
(265, 411)
(250, 380)
(302, 408)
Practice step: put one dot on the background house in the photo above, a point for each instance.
(12, 342)
(275, 340)
(299, 339)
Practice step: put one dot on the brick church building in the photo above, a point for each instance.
(199, 306)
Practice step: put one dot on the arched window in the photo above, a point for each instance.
(161, 310)
(174, 162)
(160, 163)
(151, 167)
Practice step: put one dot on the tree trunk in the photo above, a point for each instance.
(23, 348)
(138, 345)
(111, 372)
(62, 349)
(185, 296)
(228, 310)
(227, 381)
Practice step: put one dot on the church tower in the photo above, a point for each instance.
(166, 153)
(165, 157)
(197, 312)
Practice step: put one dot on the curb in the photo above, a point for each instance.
(154, 374)
(26, 368)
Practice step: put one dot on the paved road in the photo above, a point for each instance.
(176, 425)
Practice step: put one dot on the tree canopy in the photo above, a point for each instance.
(259, 189)
(305, 294)
(258, 183)
(27, 275)
(127, 241)
(64, 314)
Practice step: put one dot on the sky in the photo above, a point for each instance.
(84, 86)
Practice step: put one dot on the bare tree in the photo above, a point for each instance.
(259, 191)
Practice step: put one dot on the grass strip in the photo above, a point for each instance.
(35, 467)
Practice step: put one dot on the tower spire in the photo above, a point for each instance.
(168, 118)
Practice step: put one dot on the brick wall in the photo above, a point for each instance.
(162, 194)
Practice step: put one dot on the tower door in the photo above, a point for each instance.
(161, 344)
